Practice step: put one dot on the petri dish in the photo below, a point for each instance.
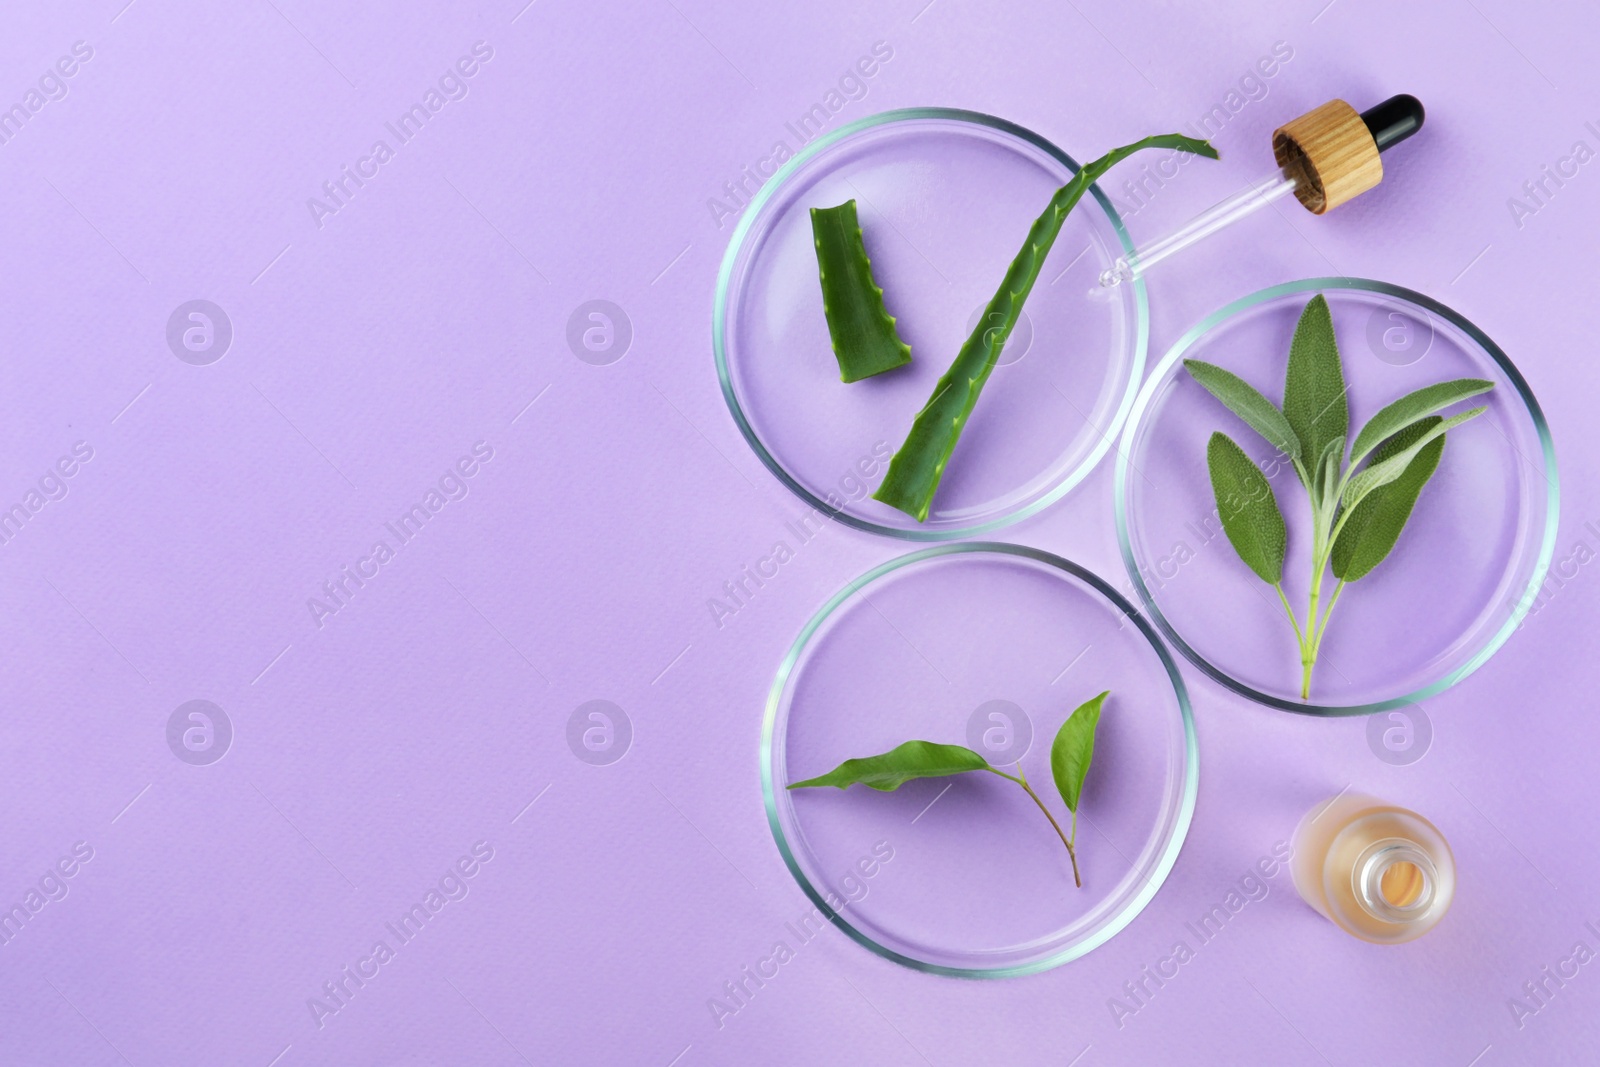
(945, 198)
(1468, 563)
(977, 884)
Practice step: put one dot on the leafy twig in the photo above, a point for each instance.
(1356, 515)
(1070, 756)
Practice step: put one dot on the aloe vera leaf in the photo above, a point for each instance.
(1375, 524)
(859, 326)
(916, 469)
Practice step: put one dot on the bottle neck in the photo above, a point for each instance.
(1395, 881)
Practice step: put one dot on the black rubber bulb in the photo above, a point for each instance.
(1394, 120)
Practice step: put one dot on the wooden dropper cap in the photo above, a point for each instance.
(1333, 153)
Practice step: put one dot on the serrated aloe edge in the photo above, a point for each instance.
(1357, 515)
(860, 328)
(917, 468)
(1070, 755)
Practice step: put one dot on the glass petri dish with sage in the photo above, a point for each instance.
(1465, 569)
(944, 198)
(989, 646)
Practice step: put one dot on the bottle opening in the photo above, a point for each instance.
(1395, 881)
(1401, 883)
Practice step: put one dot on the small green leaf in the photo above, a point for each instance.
(1382, 473)
(860, 327)
(1313, 390)
(1411, 407)
(1325, 474)
(1372, 529)
(1332, 452)
(1073, 749)
(1243, 399)
(901, 764)
(1248, 510)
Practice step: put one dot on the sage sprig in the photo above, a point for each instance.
(1356, 515)
(1070, 755)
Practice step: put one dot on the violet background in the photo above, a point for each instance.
(430, 312)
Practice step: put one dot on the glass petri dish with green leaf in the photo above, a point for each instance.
(943, 198)
(1336, 496)
(930, 854)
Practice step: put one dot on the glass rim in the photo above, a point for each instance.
(736, 246)
(1153, 880)
(1523, 602)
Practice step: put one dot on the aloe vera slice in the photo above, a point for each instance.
(915, 471)
(860, 327)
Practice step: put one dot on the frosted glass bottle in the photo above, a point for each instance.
(1378, 871)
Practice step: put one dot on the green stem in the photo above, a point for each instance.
(1026, 788)
(1287, 610)
(1300, 469)
(1308, 655)
(1322, 628)
(1321, 548)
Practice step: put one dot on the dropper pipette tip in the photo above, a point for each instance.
(1116, 274)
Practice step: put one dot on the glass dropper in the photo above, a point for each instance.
(1325, 157)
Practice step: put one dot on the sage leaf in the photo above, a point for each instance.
(1325, 474)
(1373, 526)
(901, 764)
(1245, 401)
(1382, 473)
(917, 468)
(1413, 406)
(1313, 390)
(1249, 511)
(859, 326)
(1073, 748)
